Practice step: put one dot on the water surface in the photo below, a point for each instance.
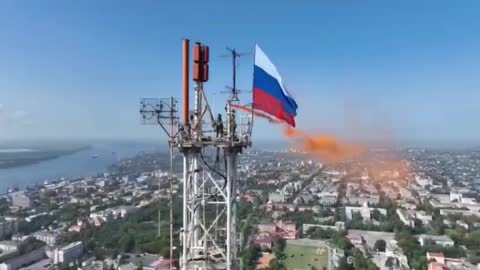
(96, 159)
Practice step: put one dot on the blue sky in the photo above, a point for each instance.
(408, 70)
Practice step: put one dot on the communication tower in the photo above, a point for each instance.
(210, 146)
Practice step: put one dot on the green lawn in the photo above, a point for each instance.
(304, 257)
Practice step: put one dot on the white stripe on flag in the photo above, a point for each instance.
(262, 61)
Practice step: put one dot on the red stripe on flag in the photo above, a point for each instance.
(265, 102)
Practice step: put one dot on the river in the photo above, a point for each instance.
(96, 159)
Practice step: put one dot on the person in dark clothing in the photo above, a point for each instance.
(234, 123)
(219, 126)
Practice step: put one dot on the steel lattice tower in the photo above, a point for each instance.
(209, 234)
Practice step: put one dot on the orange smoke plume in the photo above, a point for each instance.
(329, 149)
(324, 147)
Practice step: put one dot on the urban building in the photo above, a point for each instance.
(442, 240)
(124, 211)
(355, 239)
(68, 253)
(390, 260)
(102, 217)
(8, 227)
(45, 264)
(20, 200)
(406, 217)
(264, 241)
(267, 228)
(364, 211)
(277, 196)
(147, 262)
(456, 197)
(370, 200)
(439, 261)
(328, 198)
(49, 237)
(23, 260)
(8, 249)
(423, 217)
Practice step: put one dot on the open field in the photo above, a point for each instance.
(303, 257)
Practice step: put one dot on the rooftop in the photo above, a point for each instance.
(71, 245)
(43, 264)
(435, 237)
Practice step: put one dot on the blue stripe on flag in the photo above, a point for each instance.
(269, 84)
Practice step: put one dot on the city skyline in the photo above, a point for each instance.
(404, 72)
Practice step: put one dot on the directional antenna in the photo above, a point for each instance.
(238, 91)
(160, 111)
(234, 55)
(150, 111)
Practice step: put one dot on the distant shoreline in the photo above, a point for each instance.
(12, 159)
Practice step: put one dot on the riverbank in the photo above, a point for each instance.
(95, 159)
(17, 157)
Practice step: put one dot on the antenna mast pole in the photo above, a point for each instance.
(235, 55)
(234, 68)
(172, 128)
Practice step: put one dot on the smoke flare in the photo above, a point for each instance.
(324, 147)
(329, 149)
(256, 113)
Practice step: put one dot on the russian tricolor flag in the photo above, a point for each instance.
(269, 93)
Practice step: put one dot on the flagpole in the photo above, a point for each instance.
(253, 84)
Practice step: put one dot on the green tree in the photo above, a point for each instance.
(341, 241)
(421, 263)
(250, 257)
(454, 252)
(99, 253)
(361, 262)
(320, 233)
(457, 236)
(472, 240)
(90, 245)
(128, 243)
(279, 247)
(356, 222)
(343, 265)
(377, 215)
